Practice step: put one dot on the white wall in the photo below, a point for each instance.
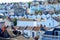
(36, 33)
(28, 31)
(26, 23)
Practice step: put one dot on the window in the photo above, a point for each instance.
(41, 2)
(56, 33)
(58, 0)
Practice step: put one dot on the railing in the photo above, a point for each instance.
(50, 37)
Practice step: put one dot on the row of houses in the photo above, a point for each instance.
(23, 8)
(47, 1)
(32, 31)
(41, 31)
(48, 7)
(12, 8)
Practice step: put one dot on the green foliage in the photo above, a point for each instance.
(15, 21)
(29, 3)
(36, 12)
(40, 12)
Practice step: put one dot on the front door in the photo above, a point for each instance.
(56, 33)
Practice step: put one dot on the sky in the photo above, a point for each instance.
(9, 1)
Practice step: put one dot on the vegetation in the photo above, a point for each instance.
(15, 21)
(29, 3)
(40, 12)
(36, 12)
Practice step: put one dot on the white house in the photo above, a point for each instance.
(26, 23)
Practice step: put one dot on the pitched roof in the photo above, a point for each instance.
(36, 28)
(21, 28)
(29, 28)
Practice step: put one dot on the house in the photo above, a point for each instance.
(33, 31)
(26, 23)
(41, 2)
(7, 22)
(53, 34)
(52, 1)
(21, 29)
(1, 23)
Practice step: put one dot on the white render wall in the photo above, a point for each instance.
(26, 23)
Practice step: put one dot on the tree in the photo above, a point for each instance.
(15, 21)
(29, 3)
(40, 12)
(36, 12)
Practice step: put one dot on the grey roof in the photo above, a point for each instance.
(21, 28)
(57, 18)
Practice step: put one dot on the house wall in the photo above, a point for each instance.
(1, 24)
(28, 32)
(36, 33)
(26, 23)
(7, 22)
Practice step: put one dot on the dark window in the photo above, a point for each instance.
(58, 0)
